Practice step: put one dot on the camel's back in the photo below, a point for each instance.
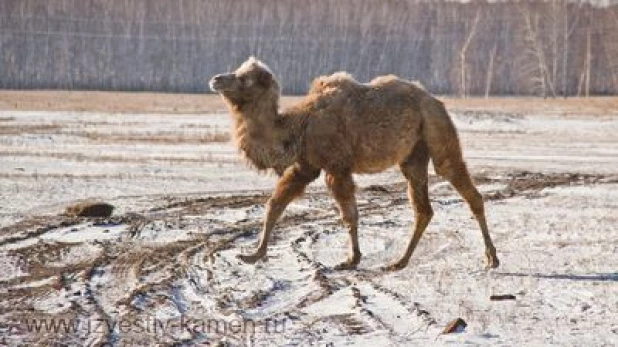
(376, 123)
(387, 92)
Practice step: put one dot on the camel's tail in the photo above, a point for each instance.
(441, 137)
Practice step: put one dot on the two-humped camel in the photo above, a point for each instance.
(345, 127)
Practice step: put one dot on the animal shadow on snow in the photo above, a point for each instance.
(602, 277)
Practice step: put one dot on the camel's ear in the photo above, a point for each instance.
(264, 79)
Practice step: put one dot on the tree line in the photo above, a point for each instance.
(546, 48)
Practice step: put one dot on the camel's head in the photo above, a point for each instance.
(252, 80)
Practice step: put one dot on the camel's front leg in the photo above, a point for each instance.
(342, 187)
(290, 186)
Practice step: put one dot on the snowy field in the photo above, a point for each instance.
(163, 270)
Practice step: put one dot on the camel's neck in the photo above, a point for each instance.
(268, 139)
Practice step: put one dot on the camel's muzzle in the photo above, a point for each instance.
(222, 83)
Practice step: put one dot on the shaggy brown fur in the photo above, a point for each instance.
(345, 127)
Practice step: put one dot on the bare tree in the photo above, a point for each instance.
(535, 51)
(610, 47)
(588, 60)
(583, 87)
(490, 70)
(554, 18)
(464, 50)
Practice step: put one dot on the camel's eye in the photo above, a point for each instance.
(245, 81)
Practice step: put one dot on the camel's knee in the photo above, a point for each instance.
(343, 190)
(422, 205)
(348, 210)
(425, 213)
(275, 206)
(349, 214)
(418, 195)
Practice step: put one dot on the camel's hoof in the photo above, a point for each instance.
(346, 265)
(492, 262)
(394, 266)
(250, 258)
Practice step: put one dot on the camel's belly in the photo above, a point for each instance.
(369, 168)
(373, 160)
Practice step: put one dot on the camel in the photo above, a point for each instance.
(344, 127)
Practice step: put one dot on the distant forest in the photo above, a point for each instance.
(545, 48)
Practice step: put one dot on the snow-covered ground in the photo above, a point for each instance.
(163, 268)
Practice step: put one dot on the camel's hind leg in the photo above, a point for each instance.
(445, 151)
(456, 172)
(415, 171)
(290, 186)
(342, 188)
